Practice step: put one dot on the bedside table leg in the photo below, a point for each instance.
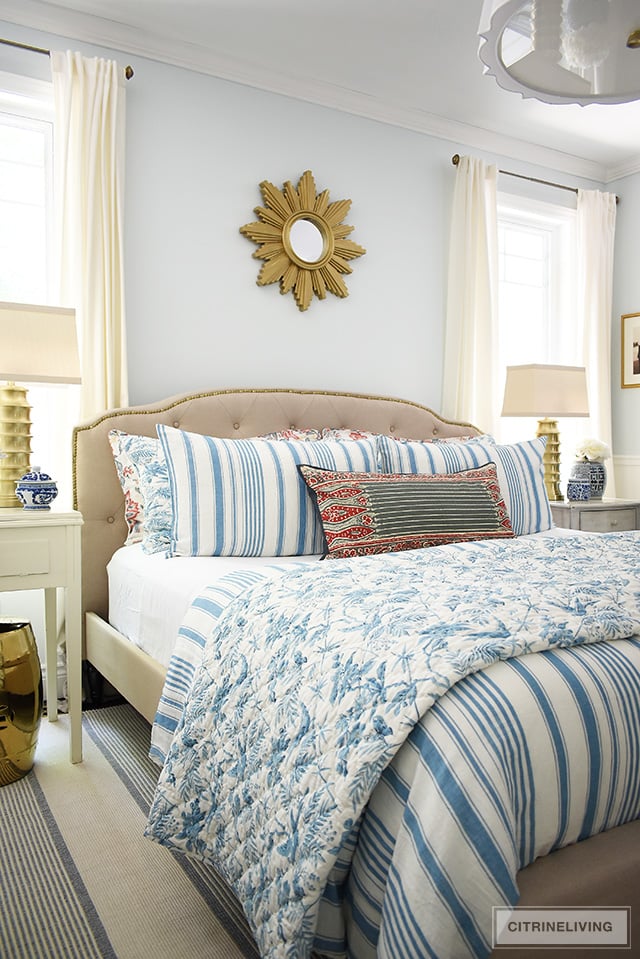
(74, 670)
(51, 652)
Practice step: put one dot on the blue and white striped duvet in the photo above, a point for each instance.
(516, 760)
(321, 693)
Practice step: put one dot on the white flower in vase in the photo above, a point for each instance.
(593, 450)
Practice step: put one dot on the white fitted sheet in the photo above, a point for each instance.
(150, 594)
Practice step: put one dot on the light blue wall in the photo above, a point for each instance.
(197, 147)
(197, 150)
(626, 299)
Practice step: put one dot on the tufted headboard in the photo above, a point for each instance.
(226, 413)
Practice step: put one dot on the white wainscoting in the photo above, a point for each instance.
(627, 470)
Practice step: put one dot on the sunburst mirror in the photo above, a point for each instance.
(302, 240)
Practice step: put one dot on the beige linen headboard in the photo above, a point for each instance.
(227, 413)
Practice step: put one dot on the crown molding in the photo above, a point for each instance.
(60, 21)
(622, 170)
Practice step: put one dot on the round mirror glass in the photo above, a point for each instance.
(307, 241)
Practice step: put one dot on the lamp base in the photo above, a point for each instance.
(15, 442)
(551, 459)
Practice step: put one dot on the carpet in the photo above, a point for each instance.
(78, 878)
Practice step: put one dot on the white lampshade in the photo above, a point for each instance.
(38, 344)
(545, 390)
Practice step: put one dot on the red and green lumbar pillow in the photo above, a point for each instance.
(367, 513)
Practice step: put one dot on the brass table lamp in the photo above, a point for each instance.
(546, 392)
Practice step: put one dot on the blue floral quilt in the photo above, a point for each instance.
(312, 681)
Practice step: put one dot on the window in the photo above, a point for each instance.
(537, 317)
(536, 244)
(26, 253)
(25, 203)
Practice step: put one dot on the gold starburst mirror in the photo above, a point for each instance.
(302, 240)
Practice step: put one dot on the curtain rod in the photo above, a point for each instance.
(455, 159)
(128, 71)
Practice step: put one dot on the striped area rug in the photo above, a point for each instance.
(78, 880)
(46, 910)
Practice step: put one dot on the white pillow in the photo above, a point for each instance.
(519, 466)
(246, 497)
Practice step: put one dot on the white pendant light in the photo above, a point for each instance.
(563, 51)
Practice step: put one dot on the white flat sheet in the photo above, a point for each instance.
(150, 594)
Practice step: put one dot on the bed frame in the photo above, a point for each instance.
(603, 870)
(228, 413)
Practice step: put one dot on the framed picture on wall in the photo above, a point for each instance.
(630, 349)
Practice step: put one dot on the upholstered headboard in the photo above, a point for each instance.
(226, 413)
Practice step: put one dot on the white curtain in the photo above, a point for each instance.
(470, 378)
(596, 221)
(89, 132)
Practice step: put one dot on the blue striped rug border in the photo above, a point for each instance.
(123, 736)
(28, 832)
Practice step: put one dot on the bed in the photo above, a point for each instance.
(602, 870)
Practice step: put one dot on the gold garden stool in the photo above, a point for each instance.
(20, 699)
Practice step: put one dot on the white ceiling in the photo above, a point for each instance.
(413, 63)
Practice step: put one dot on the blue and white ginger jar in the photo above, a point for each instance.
(36, 490)
(587, 480)
(598, 478)
(579, 482)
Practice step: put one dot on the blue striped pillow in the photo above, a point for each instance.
(246, 497)
(519, 466)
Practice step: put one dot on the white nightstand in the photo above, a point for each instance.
(597, 516)
(40, 549)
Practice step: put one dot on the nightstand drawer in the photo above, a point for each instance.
(30, 553)
(607, 520)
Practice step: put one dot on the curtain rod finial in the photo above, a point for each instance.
(128, 72)
(455, 159)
